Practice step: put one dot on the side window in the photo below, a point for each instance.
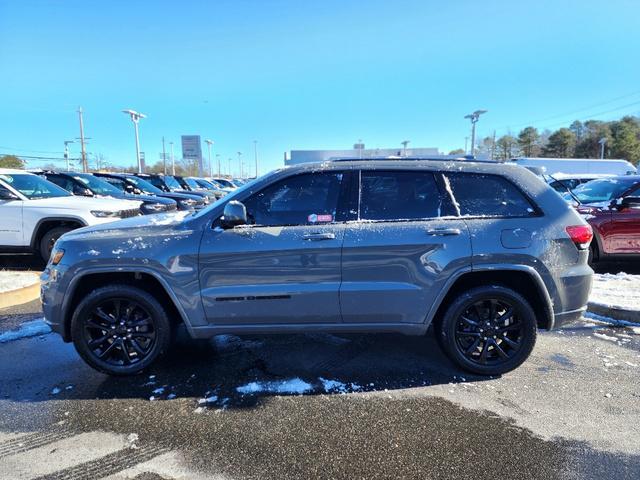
(61, 182)
(397, 195)
(481, 195)
(116, 182)
(300, 200)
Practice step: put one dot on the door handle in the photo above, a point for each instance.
(444, 231)
(319, 236)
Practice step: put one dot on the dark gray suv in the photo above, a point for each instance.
(485, 253)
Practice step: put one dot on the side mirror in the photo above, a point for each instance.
(235, 213)
(630, 202)
(7, 195)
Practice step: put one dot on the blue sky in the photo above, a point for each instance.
(306, 75)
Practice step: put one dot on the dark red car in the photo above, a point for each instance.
(612, 208)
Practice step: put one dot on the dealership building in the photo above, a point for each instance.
(306, 156)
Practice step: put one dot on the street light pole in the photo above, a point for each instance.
(85, 166)
(209, 143)
(240, 163)
(218, 160)
(66, 151)
(404, 147)
(164, 158)
(173, 162)
(135, 118)
(255, 154)
(602, 143)
(474, 119)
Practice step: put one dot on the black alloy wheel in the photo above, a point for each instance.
(488, 330)
(120, 329)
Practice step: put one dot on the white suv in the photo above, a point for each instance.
(34, 213)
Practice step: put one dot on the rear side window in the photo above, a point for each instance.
(397, 195)
(479, 195)
(305, 199)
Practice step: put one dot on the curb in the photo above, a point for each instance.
(22, 295)
(616, 313)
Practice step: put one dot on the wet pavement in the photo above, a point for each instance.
(371, 406)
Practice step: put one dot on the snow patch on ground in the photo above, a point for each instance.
(292, 386)
(27, 329)
(620, 290)
(10, 280)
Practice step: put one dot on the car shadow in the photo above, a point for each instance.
(21, 261)
(238, 372)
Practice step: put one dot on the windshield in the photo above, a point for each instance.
(207, 184)
(97, 185)
(32, 186)
(603, 190)
(225, 183)
(172, 182)
(145, 186)
(192, 183)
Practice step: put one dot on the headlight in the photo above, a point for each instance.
(105, 214)
(188, 202)
(154, 207)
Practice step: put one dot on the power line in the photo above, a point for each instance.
(26, 150)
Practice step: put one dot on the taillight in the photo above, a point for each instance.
(581, 235)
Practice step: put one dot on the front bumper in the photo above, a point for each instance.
(51, 298)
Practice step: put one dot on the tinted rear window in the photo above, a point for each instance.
(397, 195)
(481, 195)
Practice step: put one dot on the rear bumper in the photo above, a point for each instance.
(564, 318)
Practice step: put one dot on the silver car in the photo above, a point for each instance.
(484, 253)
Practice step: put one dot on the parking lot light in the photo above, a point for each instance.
(135, 118)
(474, 119)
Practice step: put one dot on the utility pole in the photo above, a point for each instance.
(66, 151)
(404, 147)
(135, 118)
(255, 154)
(474, 119)
(240, 163)
(209, 143)
(164, 157)
(173, 163)
(85, 166)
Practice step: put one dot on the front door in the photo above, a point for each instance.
(11, 231)
(399, 254)
(623, 231)
(284, 267)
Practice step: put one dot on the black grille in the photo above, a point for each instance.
(133, 212)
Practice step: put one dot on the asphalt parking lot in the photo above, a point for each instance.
(323, 406)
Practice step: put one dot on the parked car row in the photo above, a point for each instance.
(37, 207)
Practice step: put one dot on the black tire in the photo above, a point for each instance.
(49, 239)
(593, 254)
(478, 333)
(120, 329)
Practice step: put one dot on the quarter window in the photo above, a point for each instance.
(305, 199)
(397, 195)
(479, 195)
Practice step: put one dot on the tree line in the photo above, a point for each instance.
(579, 140)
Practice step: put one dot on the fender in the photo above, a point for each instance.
(76, 278)
(542, 289)
(79, 220)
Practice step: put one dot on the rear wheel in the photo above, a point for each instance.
(49, 239)
(120, 329)
(488, 330)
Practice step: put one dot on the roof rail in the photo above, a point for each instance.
(440, 158)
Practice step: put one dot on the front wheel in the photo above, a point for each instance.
(120, 329)
(49, 239)
(488, 330)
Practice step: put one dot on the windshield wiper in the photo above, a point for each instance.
(566, 187)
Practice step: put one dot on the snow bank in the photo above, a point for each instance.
(10, 280)
(619, 290)
(27, 329)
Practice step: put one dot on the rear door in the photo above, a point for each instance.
(285, 266)
(623, 231)
(401, 251)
